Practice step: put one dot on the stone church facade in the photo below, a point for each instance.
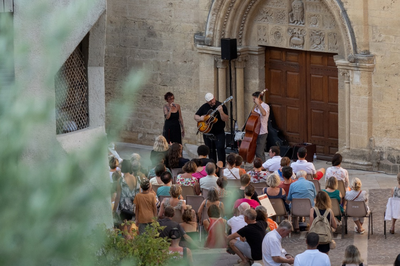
(330, 66)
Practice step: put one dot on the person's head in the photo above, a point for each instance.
(145, 185)
(160, 169)
(190, 167)
(397, 261)
(175, 191)
(398, 178)
(352, 255)
(312, 240)
(135, 166)
(356, 184)
(230, 159)
(212, 195)
(238, 160)
(222, 182)
(249, 191)
(244, 180)
(301, 173)
(174, 153)
(175, 234)
(331, 183)
(116, 176)
(166, 177)
(250, 215)
(169, 97)
(257, 163)
(262, 213)
(160, 144)
(135, 157)
(113, 163)
(213, 211)
(302, 153)
(210, 168)
(256, 95)
(274, 151)
(285, 228)
(187, 216)
(273, 180)
(203, 150)
(169, 212)
(210, 99)
(336, 159)
(322, 200)
(285, 161)
(287, 172)
(197, 162)
(243, 207)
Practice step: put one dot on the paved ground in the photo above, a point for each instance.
(375, 251)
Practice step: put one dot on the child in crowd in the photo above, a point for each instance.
(145, 206)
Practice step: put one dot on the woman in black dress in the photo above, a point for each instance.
(173, 126)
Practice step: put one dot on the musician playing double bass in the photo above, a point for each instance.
(263, 110)
(217, 129)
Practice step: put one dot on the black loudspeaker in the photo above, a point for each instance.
(228, 49)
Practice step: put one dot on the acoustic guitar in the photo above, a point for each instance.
(210, 119)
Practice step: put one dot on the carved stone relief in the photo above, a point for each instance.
(314, 20)
(277, 3)
(296, 37)
(333, 42)
(277, 36)
(329, 22)
(267, 15)
(317, 40)
(280, 17)
(296, 16)
(262, 32)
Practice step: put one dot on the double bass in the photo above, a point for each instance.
(249, 143)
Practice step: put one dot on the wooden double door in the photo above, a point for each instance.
(303, 95)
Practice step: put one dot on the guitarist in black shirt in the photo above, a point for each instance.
(217, 129)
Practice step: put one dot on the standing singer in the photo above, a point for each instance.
(217, 129)
(263, 110)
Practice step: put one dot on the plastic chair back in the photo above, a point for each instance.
(233, 183)
(341, 188)
(309, 177)
(155, 187)
(161, 198)
(204, 192)
(279, 207)
(187, 190)
(356, 209)
(175, 172)
(301, 207)
(336, 208)
(261, 184)
(177, 216)
(221, 171)
(316, 184)
(259, 190)
(194, 201)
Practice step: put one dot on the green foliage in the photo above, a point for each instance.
(146, 249)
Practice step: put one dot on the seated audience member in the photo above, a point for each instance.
(273, 253)
(237, 222)
(301, 189)
(394, 212)
(397, 261)
(253, 232)
(274, 163)
(337, 171)
(166, 178)
(352, 257)
(357, 194)
(262, 214)
(174, 201)
(174, 158)
(145, 206)
(215, 226)
(212, 199)
(222, 182)
(302, 164)
(210, 180)
(135, 162)
(248, 193)
(231, 172)
(158, 171)
(333, 192)
(202, 152)
(184, 253)
(116, 179)
(187, 179)
(285, 161)
(200, 171)
(312, 257)
(323, 204)
(113, 164)
(274, 191)
(159, 151)
(238, 163)
(257, 175)
(189, 224)
(287, 174)
(244, 182)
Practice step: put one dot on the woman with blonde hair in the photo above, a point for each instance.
(174, 201)
(159, 151)
(273, 190)
(352, 256)
(333, 192)
(323, 204)
(357, 194)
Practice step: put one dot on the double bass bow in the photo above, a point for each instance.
(248, 146)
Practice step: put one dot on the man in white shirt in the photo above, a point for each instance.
(237, 222)
(302, 164)
(210, 180)
(274, 163)
(273, 253)
(312, 256)
(263, 110)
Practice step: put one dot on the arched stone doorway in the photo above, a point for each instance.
(306, 25)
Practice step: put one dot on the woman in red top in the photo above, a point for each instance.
(215, 226)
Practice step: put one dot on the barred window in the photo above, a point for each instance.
(71, 85)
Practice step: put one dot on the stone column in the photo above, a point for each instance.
(240, 65)
(222, 67)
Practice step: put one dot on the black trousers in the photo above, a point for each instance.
(216, 146)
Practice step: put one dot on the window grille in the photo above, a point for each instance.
(72, 109)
